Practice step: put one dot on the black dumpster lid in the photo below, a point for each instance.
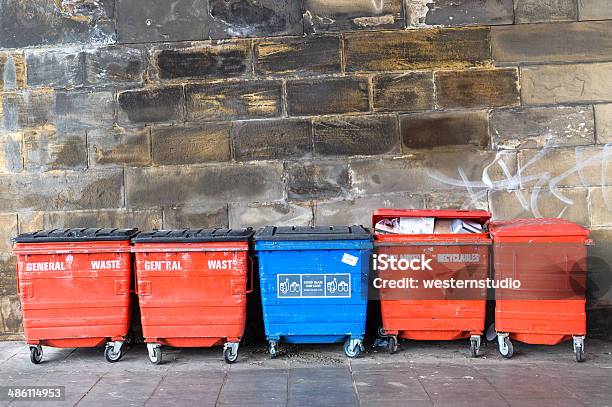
(313, 233)
(194, 235)
(76, 235)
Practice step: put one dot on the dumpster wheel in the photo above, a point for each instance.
(474, 346)
(579, 348)
(506, 349)
(155, 353)
(353, 348)
(111, 355)
(230, 352)
(36, 354)
(272, 348)
(392, 344)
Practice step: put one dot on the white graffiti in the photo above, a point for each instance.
(539, 181)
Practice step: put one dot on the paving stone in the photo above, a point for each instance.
(54, 68)
(272, 139)
(470, 12)
(118, 146)
(570, 42)
(12, 71)
(356, 135)
(539, 126)
(206, 60)
(47, 148)
(191, 185)
(151, 105)
(333, 384)
(10, 152)
(190, 144)
(601, 206)
(258, 215)
(384, 388)
(115, 65)
(416, 49)
(121, 390)
(358, 210)
(244, 18)
(477, 88)
(312, 180)
(298, 55)
(440, 129)
(327, 96)
(62, 190)
(594, 9)
(466, 389)
(603, 123)
(41, 22)
(180, 217)
(343, 15)
(153, 21)
(233, 100)
(267, 387)
(566, 83)
(537, 11)
(26, 109)
(538, 203)
(183, 388)
(411, 91)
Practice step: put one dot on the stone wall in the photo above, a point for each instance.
(197, 113)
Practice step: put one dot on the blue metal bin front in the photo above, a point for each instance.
(314, 283)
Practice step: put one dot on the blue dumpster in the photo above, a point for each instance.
(314, 283)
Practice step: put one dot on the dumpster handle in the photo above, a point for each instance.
(250, 277)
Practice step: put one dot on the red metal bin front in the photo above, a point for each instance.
(74, 286)
(430, 313)
(192, 286)
(548, 257)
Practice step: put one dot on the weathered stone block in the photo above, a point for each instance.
(12, 71)
(295, 55)
(153, 21)
(431, 130)
(566, 167)
(327, 96)
(8, 278)
(416, 49)
(469, 12)
(196, 217)
(566, 83)
(259, 215)
(54, 68)
(601, 206)
(26, 109)
(594, 9)
(41, 22)
(571, 42)
(435, 171)
(143, 219)
(10, 152)
(356, 135)
(358, 211)
(406, 92)
(603, 123)
(151, 105)
(206, 60)
(245, 18)
(191, 185)
(477, 88)
(538, 203)
(47, 148)
(84, 109)
(239, 100)
(537, 11)
(119, 146)
(457, 200)
(272, 139)
(343, 15)
(10, 315)
(313, 180)
(62, 190)
(190, 144)
(536, 127)
(8, 230)
(115, 65)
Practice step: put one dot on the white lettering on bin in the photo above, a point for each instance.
(158, 265)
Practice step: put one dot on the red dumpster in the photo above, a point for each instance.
(548, 258)
(434, 313)
(74, 287)
(192, 286)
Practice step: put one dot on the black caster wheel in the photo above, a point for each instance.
(36, 354)
(392, 345)
(229, 356)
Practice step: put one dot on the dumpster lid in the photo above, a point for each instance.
(194, 235)
(537, 227)
(480, 216)
(354, 232)
(76, 235)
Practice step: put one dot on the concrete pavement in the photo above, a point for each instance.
(421, 374)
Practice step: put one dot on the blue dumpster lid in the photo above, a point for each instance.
(276, 233)
(194, 235)
(76, 235)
